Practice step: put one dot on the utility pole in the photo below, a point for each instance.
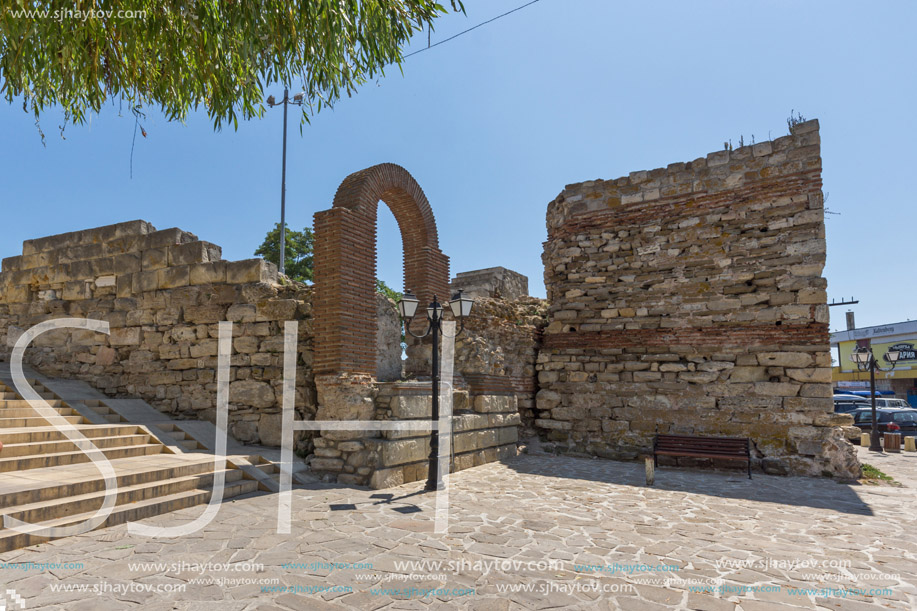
(297, 100)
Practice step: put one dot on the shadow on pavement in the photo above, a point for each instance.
(821, 493)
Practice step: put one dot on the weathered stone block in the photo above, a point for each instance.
(206, 314)
(326, 464)
(204, 347)
(785, 359)
(387, 478)
(125, 336)
(173, 277)
(11, 263)
(696, 377)
(276, 309)
(168, 237)
(127, 263)
(245, 344)
(190, 253)
(547, 399)
(776, 389)
(270, 429)
(816, 390)
(213, 272)
(411, 406)
(494, 403)
(251, 392)
(251, 270)
(154, 259)
(241, 312)
(143, 282)
(77, 290)
(400, 451)
(553, 424)
(748, 374)
(124, 286)
(813, 374)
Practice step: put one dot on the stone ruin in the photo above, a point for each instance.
(492, 282)
(687, 299)
(164, 292)
(690, 299)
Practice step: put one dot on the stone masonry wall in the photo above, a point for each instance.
(689, 299)
(485, 429)
(492, 282)
(497, 352)
(162, 293)
(494, 393)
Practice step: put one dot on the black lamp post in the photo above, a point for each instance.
(865, 361)
(461, 307)
(286, 101)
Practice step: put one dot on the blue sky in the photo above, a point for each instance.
(495, 123)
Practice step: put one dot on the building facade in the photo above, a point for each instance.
(902, 380)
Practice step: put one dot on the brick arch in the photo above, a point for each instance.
(345, 264)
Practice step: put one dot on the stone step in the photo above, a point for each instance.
(19, 463)
(10, 539)
(49, 433)
(43, 511)
(49, 483)
(28, 412)
(6, 423)
(23, 403)
(10, 395)
(65, 445)
(269, 468)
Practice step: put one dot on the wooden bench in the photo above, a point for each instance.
(725, 448)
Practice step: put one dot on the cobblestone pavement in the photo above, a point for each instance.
(752, 545)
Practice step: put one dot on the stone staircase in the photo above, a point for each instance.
(45, 479)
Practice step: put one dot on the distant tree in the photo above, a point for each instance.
(383, 288)
(298, 247)
(299, 259)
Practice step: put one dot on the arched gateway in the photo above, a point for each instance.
(345, 264)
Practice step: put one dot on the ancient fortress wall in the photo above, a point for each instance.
(494, 365)
(163, 294)
(689, 299)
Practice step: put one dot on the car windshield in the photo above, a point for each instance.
(905, 416)
(866, 416)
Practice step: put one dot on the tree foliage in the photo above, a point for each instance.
(299, 260)
(382, 287)
(179, 55)
(298, 247)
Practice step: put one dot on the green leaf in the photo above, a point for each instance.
(179, 55)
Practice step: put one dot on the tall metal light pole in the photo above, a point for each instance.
(865, 360)
(461, 307)
(297, 100)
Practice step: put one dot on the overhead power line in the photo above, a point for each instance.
(483, 23)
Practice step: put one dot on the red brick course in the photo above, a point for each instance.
(345, 263)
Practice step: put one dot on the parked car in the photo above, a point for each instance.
(889, 402)
(889, 419)
(848, 403)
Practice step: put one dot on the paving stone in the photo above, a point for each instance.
(567, 509)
